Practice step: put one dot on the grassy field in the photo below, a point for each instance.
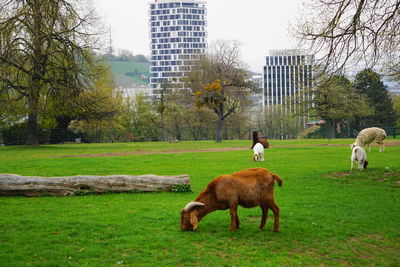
(329, 216)
(121, 68)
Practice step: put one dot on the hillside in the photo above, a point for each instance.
(128, 73)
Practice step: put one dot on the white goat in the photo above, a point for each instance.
(369, 135)
(358, 154)
(258, 150)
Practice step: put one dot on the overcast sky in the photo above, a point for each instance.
(259, 25)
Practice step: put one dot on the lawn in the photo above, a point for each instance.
(329, 216)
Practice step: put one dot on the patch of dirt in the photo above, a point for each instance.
(338, 174)
(142, 152)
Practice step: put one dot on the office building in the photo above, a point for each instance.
(286, 72)
(177, 38)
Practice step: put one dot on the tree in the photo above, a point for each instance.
(218, 82)
(98, 109)
(45, 53)
(352, 31)
(197, 121)
(138, 118)
(369, 83)
(335, 100)
(396, 108)
(278, 122)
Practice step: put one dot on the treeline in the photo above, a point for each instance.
(125, 55)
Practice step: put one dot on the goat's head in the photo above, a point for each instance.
(255, 157)
(352, 146)
(189, 216)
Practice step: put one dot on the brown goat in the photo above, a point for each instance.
(248, 188)
(256, 140)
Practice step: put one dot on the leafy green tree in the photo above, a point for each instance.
(98, 109)
(335, 100)
(369, 83)
(45, 53)
(396, 108)
(138, 118)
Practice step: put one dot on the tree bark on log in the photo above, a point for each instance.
(17, 185)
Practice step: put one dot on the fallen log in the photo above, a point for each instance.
(17, 185)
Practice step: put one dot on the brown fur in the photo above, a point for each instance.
(256, 140)
(248, 188)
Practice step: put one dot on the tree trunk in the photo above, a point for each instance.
(218, 130)
(16, 185)
(31, 130)
(330, 129)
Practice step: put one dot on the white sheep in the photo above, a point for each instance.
(369, 135)
(258, 150)
(358, 154)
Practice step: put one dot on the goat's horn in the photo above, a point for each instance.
(192, 204)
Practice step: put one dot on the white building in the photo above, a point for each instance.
(177, 38)
(286, 72)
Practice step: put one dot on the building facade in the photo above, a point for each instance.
(177, 38)
(286, 72)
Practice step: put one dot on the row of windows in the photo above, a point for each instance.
(173, 5)
(191, 11)
(192, 22)
(178, 40)
(167, 29)
(191, 17)
(168, 57)
(191, 45)
(194, 31)
(166, 5)
(159, 12)
(160, 58)
(286, 60)
(162, 34)
(180, 45)
(175, 17)
(184, 11)
(170, 63)
(199, 21)
(175, 51)
(153, 69)
(179, 28)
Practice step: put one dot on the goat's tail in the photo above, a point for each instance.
(278, 179)
(365, 164)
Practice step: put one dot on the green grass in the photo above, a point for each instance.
(329, 216)
(123, 67)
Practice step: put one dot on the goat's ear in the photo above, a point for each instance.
(193, 220)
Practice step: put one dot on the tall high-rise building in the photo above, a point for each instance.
(177, 38)
(286, 72)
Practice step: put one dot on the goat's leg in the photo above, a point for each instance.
(360, 165)
(234, 217)
(381, 147)
(264, 215)
(352, 165)
(275, 209)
